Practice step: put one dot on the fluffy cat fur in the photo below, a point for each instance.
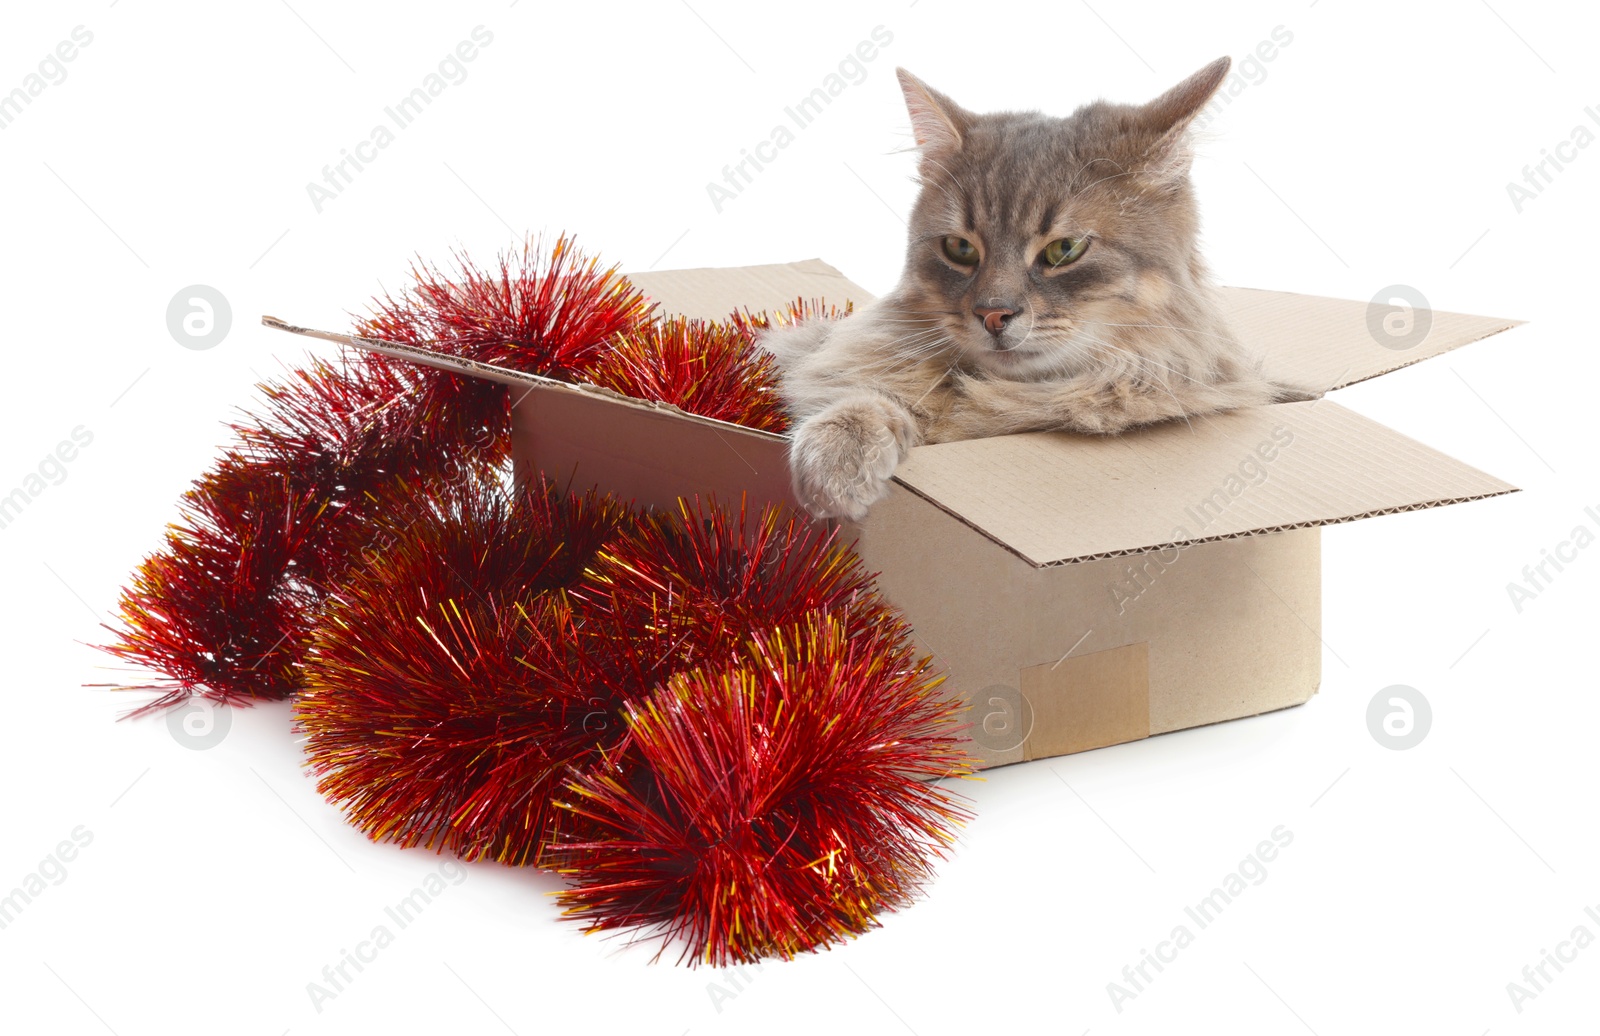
(1127, 333)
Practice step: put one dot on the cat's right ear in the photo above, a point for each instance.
(939, 123)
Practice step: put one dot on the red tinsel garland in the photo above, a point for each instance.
(422, 715)
(227, 608)
(709, 720)
(716, 690)
(703, 367)
(773, 804)
(552, 314)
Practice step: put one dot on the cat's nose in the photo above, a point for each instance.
(994, 319)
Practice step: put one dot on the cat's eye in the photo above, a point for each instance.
(960, 251)
(1064, 250)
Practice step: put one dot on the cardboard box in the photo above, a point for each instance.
(1080, 591)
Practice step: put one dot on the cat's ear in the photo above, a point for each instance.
(1168, 117)
(1175, 109)
(939, 123)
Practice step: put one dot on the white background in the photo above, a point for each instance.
(1376, 150)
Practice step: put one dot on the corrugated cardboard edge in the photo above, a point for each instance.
(505, 375)
(1243, 534)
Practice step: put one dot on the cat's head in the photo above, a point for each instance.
(1037, 241)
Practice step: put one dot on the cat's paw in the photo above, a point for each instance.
(841, 458)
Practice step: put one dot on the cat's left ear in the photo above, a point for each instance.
(1167, 119)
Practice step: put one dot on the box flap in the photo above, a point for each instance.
(1058, 497)
(713, 293)
(529, 383)
(649, 456)
(1323, 344)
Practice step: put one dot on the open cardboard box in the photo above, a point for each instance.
(1080, 591)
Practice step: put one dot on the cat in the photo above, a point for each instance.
(1052, 281)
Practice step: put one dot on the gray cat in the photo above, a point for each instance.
(1052, 281)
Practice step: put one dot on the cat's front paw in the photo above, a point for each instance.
(841, 458)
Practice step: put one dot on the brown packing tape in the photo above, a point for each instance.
(1088, 701)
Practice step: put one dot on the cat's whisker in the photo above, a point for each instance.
(916, 332)
(940, 380)
(1032, 325)
(1112, 176)
(923, 351)
(927, 340)
(907, 358)
(956, 205)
